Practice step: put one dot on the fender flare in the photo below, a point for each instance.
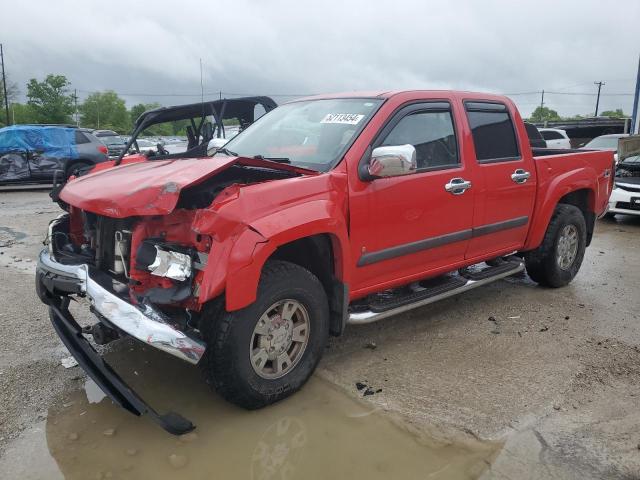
(240, 259)
(557, 188)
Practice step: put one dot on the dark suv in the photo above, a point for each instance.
(33, 153)
(114, 142)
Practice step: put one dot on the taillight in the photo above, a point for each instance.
(103, 149)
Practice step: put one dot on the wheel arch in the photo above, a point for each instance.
(566, 189)
(74, 161)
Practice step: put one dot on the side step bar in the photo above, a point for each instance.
(427, 296)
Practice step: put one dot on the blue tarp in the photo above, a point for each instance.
(31, 151)
(56, 142)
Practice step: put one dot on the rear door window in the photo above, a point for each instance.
(493, 132)
(81, 137)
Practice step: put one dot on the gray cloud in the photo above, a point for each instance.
(143, 48)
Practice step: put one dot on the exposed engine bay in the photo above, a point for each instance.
(203, 194)
(154, 259)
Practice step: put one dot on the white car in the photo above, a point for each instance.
(606, 142)
(625, 197)
(555, 137)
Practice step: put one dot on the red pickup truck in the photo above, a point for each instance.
(331, 210)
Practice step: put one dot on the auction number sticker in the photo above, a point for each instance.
(345, 118)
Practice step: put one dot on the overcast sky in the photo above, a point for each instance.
(145, 50)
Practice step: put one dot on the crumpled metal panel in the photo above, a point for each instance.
(14, 166)
(42, 150)
(149, 187)
(144, 188)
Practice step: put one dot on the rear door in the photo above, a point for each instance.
(506, 179)
(408, 225)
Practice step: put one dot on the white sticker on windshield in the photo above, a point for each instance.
(346, 118)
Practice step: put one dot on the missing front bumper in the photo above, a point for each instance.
(105, 377)
(141, 321)
(55, 281)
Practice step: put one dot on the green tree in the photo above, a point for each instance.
(50, 99)
(22, 113)
(105, 110)
(139, 109)
(617, 113)
(544, 114)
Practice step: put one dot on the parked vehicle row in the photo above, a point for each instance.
(244, 256)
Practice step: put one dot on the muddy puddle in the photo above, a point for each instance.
(319, 433)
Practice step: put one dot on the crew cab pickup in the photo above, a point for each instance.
(327, 211)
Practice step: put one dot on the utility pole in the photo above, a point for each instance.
(75, 101)
(4, 85)
(600, 84)
(635, 114)
(201, 84)
(542, 101)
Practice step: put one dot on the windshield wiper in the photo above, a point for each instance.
(272, 159)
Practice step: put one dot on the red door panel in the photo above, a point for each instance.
(409, 225)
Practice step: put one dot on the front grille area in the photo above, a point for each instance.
(108, 250)
(115, 151)
(628, 188)
(627, 206)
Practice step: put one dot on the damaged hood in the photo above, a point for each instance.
(149, 187)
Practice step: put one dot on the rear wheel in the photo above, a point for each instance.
(266, 351)
(77, 169)
(557, 260)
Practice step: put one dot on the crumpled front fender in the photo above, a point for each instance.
(236, 263)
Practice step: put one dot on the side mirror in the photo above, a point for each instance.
(392, 161)
(215, 144)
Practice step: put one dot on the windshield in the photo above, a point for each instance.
(311, 134)
(604, 143)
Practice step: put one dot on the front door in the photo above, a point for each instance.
(404, 226)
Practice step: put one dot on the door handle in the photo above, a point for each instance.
(520, 176)
(457, 186)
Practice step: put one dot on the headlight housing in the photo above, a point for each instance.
(171, 264)
(162, 261)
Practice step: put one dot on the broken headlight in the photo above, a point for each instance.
(164, 262)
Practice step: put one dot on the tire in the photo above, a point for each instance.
(77, 168)
(610, 216)
(543, 264)
(231, 338)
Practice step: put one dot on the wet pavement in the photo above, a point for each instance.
(319, 433)
(508, 381)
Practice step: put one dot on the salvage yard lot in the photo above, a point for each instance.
(551, 375)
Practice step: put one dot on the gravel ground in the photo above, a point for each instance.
(552, 374)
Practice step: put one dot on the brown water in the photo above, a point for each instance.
(318, 433)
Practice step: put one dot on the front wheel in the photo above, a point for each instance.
(557, 260)
(265, 352)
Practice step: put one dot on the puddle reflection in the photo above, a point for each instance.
(318, 433)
